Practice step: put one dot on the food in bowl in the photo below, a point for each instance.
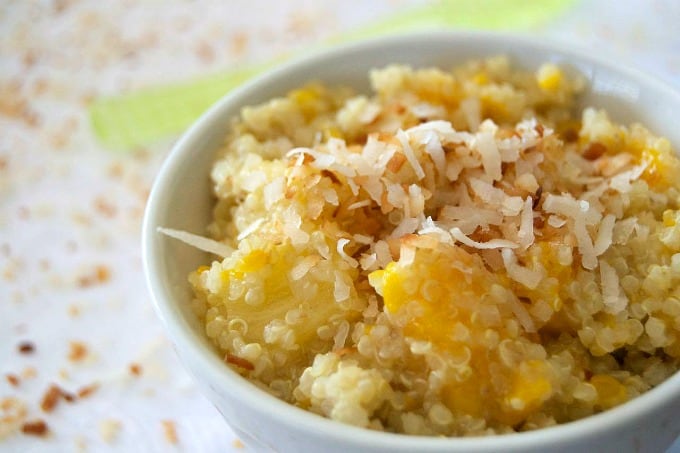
(461, 253)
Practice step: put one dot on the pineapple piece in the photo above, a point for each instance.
(260, 300)
(448, 298)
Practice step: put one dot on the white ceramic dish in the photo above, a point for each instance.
(181, 199)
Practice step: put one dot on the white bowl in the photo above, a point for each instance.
(181, 198)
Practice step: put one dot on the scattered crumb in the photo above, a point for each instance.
(12, 414)
(239, 43)
(104, 207)
(71, 246)
(12, 379)
(73, 310)
(205, 52)
(26, 347)
(52, 396)
(170, 431)
(236, 443)
(23, 212)
(135, 369)
(87, 390)
(35, 428)
(81, 444)
(100, 274)
(29, 373)
(115, 170)
(109, 429)
(77, 351)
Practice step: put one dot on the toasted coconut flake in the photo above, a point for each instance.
(527, 277)
(291, 227)
(407, 225)
(273, 192)
(614, 300)
(604, 235)
(487, 192)
(526, 227)
(340, 246)
(407, 254)
(433, 147)
(199, 242)
(492, 244)
(621, 182)
(368, 261)
(556, 221)
(469, 218)
(623, 230)
(410, 155)
(250, 229)
(522, 314)
(359, 204)
(341, 290)
(304, 266)
(429, 227)
(382, 252)
(585, 244)
(491, 158)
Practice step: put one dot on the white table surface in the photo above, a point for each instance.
(68, 205)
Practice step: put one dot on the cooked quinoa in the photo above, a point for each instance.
(459, 253)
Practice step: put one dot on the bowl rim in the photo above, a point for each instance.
(247, 393)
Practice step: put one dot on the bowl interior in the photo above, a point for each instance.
(181, 197)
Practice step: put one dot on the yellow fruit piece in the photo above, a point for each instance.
(662, 167)
(274, 295)
(549, 77)
(610, 392)
(531, 386)
(669, 217)
(434, 292)
(481, 78)
(465, 397)
(253, 261)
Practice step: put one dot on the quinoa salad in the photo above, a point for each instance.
(461, 252)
